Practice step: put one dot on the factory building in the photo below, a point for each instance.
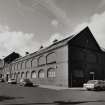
(68, 63)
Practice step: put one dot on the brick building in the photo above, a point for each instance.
(69, 62)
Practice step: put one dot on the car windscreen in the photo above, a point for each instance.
(92, 81)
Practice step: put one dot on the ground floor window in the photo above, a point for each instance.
(18, 74)
(22, 75)
(33, 74)
(41, 74)
(27, 74)
(15, 75)
(51, 73)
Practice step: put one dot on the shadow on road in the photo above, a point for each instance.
(75, 102)
(58, 103)
(3, 98)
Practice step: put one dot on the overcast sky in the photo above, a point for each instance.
(25, 25)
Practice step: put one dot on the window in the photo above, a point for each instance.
(51, 58)
(23, 65)
(41, 74)
(27, 74)
(28, 63)
(15, 67)
(19, 66)
(11, 67)
(15, 75)
(41, 60)
(18, 75)
(22, 75)
(34, 62)
(12, 75)
(33, 74)
(51, 73)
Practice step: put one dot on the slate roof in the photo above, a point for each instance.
(53, 46)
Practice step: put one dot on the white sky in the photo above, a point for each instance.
(25, 25)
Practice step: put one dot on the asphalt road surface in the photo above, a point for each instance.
(18, 95)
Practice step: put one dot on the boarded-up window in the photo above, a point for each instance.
(51, 73)
(16, 66)
(41, 74)
(33, 74)
(51, 58)
(34, 62)
(13, 67)
(41, 60)
(23, 65)
(28, 63)
(19, 66)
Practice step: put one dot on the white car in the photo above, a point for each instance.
(94, 85)
(26, 82)
(11, 81)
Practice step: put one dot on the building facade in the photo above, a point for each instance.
(68, 63)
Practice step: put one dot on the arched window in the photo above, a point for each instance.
(51, 73)
(23, 65)
(41, 74)
(13, 66)
(19, 66)
(34, 62)
(15, 75)
(27, 74)
(28, 63)
(33, 74)
(12, 75)
(41, 60)
(18, 75)
(22, 75)
(51, 58)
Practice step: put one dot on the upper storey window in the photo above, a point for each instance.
(34, 62)
(41, 60)
(51, 58)
(28, 63)
(23, 65)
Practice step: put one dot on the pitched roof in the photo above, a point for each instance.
(56, 45)
(11, 57)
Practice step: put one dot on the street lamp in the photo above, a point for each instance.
(92, 73)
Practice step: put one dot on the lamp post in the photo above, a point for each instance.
(92, 73)
(71, 79)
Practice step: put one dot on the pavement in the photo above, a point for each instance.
(61, 88)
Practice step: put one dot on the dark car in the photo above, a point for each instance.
(26, 82)
(1, 80)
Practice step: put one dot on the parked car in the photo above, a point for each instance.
(26, 82)
(1, 80)
(94, 85)
(11, 81)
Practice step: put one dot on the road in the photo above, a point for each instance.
(17, 95)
